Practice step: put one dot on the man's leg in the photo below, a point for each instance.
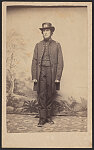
(49, 95)
(42, 96)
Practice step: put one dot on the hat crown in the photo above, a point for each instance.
(46, 25)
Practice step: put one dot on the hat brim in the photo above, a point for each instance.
(51, 28)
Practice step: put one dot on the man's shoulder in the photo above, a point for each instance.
(52, 42)
(39, 43)
(55, 42)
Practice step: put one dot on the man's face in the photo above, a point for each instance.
(47, 33)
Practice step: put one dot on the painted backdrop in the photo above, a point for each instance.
(23, 33)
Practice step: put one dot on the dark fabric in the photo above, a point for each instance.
(47, 66)
(35, 86)
(45, 93)
(57, 85)
(46, 52)
(46, 56)
(56, 59)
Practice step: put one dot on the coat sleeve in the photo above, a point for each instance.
(60, 63)
(34, 64)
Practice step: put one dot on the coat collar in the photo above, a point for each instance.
(47, 42)
(43, 48)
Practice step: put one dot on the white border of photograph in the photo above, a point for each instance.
(54, 139)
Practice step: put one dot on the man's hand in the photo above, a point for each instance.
(35, 80)
(57, 81)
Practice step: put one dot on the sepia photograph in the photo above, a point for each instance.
(47, 74)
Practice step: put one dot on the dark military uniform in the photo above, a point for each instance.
(45, 85)
(47, 66)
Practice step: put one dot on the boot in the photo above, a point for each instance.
(49, 117)
(50, 121)
(41, 122)
(42, 116)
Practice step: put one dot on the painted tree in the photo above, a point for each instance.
(15, 46)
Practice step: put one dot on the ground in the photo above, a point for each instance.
(28, 123)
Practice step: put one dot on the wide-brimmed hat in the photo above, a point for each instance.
(47, 25)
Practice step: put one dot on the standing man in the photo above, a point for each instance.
(47, 67)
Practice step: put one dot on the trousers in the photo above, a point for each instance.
(45, 93)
